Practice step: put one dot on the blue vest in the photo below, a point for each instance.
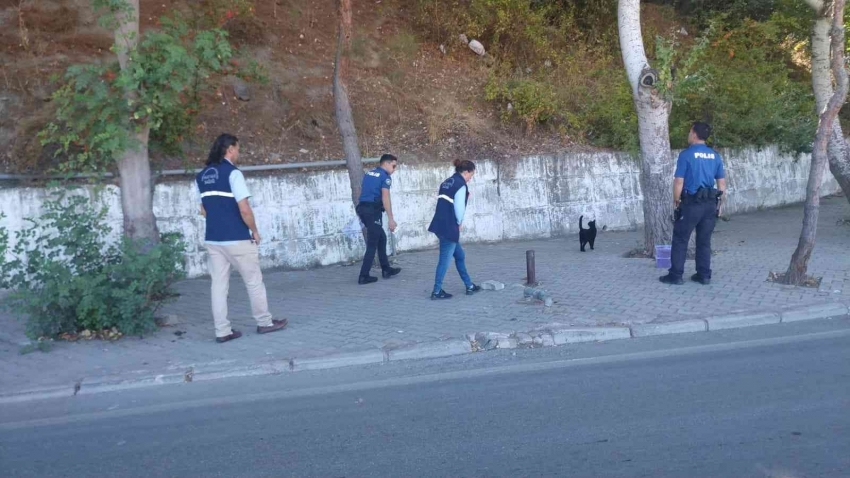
(444, 224)
(224, 222)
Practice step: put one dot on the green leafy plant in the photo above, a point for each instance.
(678, 68)
(67, 277)
(252, 70)
(609, 119)
(99, 105)
(531, 101)
(753, 96)
(5, 264)
(515, 28)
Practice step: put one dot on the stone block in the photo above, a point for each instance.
(678, 327)
(812, 312)
(338, 360)
(743, 319)
(589, 334)
(425, 350)
(492, 285)
(495, 340)
(524, 338)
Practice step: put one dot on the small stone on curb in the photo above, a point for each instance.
(495, 340)
(524, 339)
(492, 285)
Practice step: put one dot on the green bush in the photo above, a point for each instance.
(5, 265)
(441, 20)
(738, 79)
(744, 72)
(610, 119)
(66, 277)
(521, 32)
(171, 65)
(512, 28)
(531, 101)
(737, 10)
(751, 96)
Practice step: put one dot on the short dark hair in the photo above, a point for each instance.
(703, 130)
(387, 158)
(219, 148)
(463, 165)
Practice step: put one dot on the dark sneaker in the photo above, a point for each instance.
(440, 295)
(473, 289)
(276, 325)
(234, 334)
(367, 280)
(670, 279)
(390, 272)
(702, 280)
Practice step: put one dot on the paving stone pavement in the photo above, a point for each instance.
(330, 313)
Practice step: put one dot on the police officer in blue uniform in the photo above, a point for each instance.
(697, 202)
(374, 200)
(452, 198)
(231, 238)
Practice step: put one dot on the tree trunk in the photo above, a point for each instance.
(134, 164)
(798, 267)
(137, 192)
(839, 159)
(653, 113)
(839, 153)
(342, 106)
(126, 32)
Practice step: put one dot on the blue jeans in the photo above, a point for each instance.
(447, 250)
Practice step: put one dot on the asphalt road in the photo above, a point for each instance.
(758, 402)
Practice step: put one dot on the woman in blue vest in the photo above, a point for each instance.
(448, 219)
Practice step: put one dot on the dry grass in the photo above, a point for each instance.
(447, 117)
(46, 20)
(780, 278)
(27, 151)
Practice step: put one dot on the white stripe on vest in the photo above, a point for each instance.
(443, 196)
(217, 193)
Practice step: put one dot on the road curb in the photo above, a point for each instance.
(444, 348)
(667, 328)
(37, 394)
(436, 349)
(812, 312)
(365, 357)
(273, 368)
(741, 319)
(575, 335)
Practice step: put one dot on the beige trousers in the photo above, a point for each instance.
(245, 257)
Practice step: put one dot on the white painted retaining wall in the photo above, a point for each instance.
(301, 215)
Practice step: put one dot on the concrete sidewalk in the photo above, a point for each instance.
(334, 321)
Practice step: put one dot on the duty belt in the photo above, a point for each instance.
(704, 194)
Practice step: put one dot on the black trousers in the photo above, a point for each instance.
(699, 216)
(376, 238)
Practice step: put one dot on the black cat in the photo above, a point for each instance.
(586, 236)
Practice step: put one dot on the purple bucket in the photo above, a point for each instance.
(662, 257)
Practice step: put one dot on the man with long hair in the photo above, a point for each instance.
(232, 238)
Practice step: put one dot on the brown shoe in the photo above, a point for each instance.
(234, 334)
(276, 325)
